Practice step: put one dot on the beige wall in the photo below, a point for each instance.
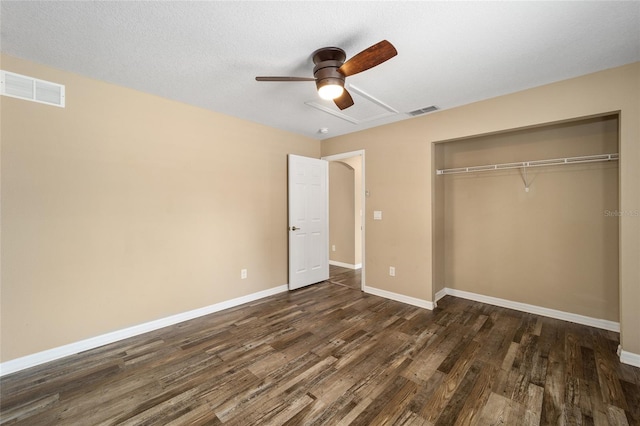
(399, 168)
(437, 221)
(395, 177)
(341, 213)
(552, 246)
(356, 163)
(124, 208)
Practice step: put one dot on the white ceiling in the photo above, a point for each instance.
(208, 53)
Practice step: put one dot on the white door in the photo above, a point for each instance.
(308, 221)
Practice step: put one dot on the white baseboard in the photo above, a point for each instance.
(345, 265)
(399, 297)
(38, 358)
(33, 360)
(440, 294)
(538, 310)
(630, 358)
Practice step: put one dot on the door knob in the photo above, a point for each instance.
(293, 228)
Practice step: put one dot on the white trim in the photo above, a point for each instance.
(440, 294)
(345, 265)
(399, 297)
(630, 358)
(38, 358)
(538, 310)
(330, 109)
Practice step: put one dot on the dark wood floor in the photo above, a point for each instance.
(328, 354)
(344, 276)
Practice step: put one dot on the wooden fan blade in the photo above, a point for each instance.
(344, 101)
(369, 58)
(285, 79)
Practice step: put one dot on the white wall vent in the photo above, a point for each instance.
(31, 89)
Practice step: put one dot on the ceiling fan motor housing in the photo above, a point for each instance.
(327, 73)
(328, 60)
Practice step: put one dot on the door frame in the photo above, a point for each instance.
(342, 156)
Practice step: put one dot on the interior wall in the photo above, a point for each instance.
(437, 225)
(341, 213)
(123, 208)
(400, 172)
(553, 246)
(356, 163)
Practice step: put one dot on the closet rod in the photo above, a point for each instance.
(534, 163)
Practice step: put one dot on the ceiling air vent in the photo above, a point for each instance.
(423, 110)
(31, 89)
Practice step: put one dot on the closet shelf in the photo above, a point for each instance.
(534, 163)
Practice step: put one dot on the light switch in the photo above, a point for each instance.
(377, 215)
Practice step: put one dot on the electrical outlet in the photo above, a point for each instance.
(333, 247)
(243, 274)
(392, 271)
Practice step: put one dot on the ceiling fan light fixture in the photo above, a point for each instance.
(330, 90)
(330, 70)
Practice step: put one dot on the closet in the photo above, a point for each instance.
(529, 216)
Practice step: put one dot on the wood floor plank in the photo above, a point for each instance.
(471, 411)
(507, 361)
(617, 416)
(429, 359)
(28, 409)
(199, 416)
(500, 411)
(330, 354)
(339, 412)
(442, 396)
(554, 390)
(632, 394)
(533, 405)
(453, 409)
(610, 387)
(396, 403)
(306, 416)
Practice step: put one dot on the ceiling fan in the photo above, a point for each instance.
(331, 69)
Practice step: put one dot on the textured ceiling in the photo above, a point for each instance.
(208, 53)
